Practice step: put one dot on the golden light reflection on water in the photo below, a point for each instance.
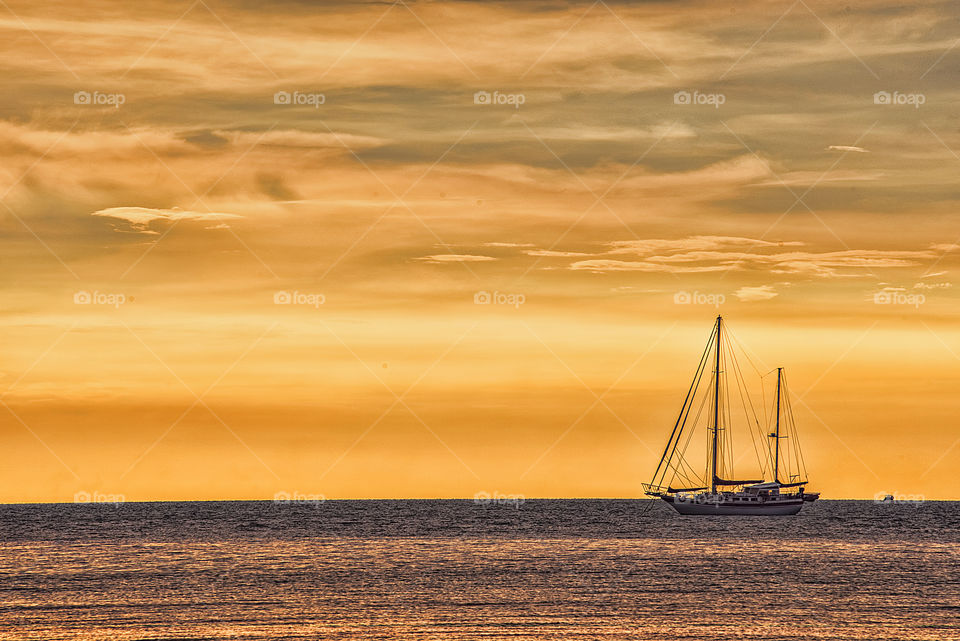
(438, 588)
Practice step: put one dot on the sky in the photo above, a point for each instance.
(436, 249)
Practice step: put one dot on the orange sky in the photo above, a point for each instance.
(210, 293)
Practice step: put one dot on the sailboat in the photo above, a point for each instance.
(715, 489)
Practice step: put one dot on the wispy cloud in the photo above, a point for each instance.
(550, 253)
(140, 218)
(859, 150)
(496, 244)
(609, 265)
(692, 243)
(699, 254)
(455, 258)
(762, 292)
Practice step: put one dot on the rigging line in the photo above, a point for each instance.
(769, 428)
(646, 508)
(743, 349)
(753, 439)
(763, 401)
(793, 452)
(731, 406)
(790, 453)
(733, 365)
(682, 470)
(680, 419)
(686, 419)
(692, 430)
(741, 381)
(746, 355)
(763, 396)
(796, 432)
(745, 388)
(707, 471)
(670, 464)
(679, 469)
(727, 435)
(744, 396)
(791, 427)
(683, 458)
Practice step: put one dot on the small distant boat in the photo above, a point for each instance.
(888, 498)
(717, 491)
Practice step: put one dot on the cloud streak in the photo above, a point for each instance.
(140, 219)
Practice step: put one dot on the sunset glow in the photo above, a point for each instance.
(419, 250)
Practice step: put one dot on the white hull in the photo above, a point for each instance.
(736, 508)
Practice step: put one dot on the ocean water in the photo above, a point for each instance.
(546, 569)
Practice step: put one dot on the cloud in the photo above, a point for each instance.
(508, 245)
(276, 187)
(140, 218)
(944, 247)
(297, 138)
(750, 294)
(691, 243)
(606, 265)
(552, 253)
(826, 264)
(617, 134)
(859, 150)
(455, 258)
(801, 178)
(699, 254)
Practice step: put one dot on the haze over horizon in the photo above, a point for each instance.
(431, 249)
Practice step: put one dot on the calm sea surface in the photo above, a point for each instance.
(552, 569)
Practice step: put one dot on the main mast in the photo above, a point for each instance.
(776, 456)
(716, 411)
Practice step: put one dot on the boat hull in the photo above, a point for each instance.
(784, 507)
